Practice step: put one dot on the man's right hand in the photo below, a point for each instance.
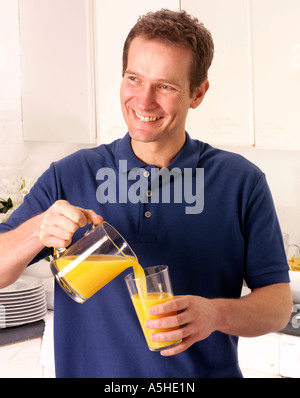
(59, 223)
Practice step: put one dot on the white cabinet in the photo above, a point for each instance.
(276, 39)
(71, 63)
(114, 19)
(57, 68)
(226, 114)
(255, 77)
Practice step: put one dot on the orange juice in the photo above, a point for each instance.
(91, 274)
(142, 309)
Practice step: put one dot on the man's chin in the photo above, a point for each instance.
(141, 136)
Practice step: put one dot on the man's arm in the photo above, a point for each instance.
(265, 310)
(53, 228)
(18, 248)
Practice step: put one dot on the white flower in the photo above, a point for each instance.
(12, 195)
(17, 186)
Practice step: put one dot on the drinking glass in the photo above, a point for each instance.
(154, 288)
(289, 249)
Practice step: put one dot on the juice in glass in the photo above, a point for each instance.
(151, 287)
(142, 306)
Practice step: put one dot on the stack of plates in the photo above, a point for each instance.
(22, 302)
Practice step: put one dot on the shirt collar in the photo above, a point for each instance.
(188, 157)
(124, 152)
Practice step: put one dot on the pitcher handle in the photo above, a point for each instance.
(58, 251)
(91, 227)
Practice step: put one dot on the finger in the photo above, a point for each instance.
(177, 333)
(166, 322)
(56, 230)
(54, 241)
(56, 236)
(177, 304)
(75, 214)
(59, 221)
(184, 345)
(58, 225)
(171, 335)
(58, 239)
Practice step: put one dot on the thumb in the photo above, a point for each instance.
(91, 217)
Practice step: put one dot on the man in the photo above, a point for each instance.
(210, 247)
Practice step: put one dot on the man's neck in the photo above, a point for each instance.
(156, 153)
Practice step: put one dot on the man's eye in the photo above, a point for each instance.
(166, 87)
(133, 79)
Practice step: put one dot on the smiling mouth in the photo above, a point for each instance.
(146, 118)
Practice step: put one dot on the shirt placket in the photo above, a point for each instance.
(148, 214)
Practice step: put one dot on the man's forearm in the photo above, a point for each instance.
(265, 310)
(17, 248)
(53, 228)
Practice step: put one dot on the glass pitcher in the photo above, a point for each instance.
(93, 261)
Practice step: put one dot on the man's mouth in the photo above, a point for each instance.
(147, 118)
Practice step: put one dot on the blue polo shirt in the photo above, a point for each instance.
(235, 236)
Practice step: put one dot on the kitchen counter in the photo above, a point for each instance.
(25, 352)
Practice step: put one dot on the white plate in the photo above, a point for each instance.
(29, 298)
(22, 294)
(22, 302)
(24, 284)
(19, 302)
(36, 318)
(24, 305)
(8, 312)
(23, 316)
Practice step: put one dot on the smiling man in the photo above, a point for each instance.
(235, 237)
(156, 98)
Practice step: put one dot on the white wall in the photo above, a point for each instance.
(32, 158)
(282, 169)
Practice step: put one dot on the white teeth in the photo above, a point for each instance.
(146, 118)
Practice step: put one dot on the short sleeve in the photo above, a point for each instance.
(265, 259)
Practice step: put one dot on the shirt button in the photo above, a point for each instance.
(149, 194)
(146, 173)
(148, 214)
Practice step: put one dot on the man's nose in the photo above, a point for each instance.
(147, 98)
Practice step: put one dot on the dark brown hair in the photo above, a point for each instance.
(180, 29)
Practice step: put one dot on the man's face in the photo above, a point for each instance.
(155, 90)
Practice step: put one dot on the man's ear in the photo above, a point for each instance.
(199, 94)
